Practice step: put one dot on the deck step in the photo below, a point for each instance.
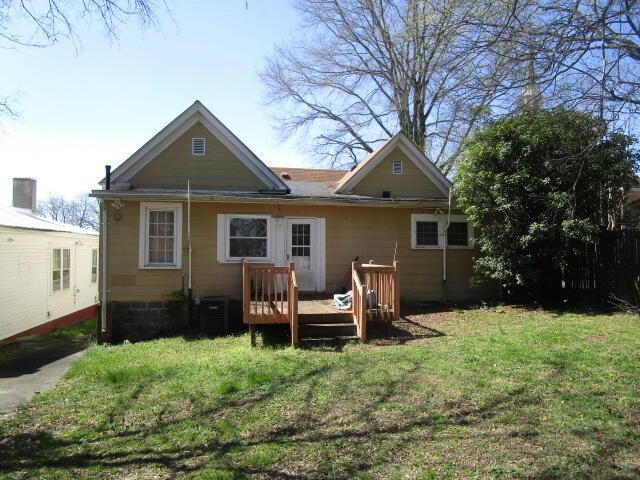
(314, 341)
(327, 329)
(334, 317)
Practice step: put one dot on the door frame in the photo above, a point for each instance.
(318, 247)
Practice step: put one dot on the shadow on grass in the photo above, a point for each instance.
(336, 443)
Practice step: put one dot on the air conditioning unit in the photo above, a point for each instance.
(214, 315)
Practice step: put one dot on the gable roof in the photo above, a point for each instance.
(400, 140)
(165, 137)
(309, 174)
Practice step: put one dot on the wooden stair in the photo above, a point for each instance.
(318, 328)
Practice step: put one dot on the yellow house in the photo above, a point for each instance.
(183, 212)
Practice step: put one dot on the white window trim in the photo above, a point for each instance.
(204, 146)
(96, 266)
(143, 251)
(442, 223)
(461, 218)
(393, 167)
(224, 239)
(62, 269)
(425, 217)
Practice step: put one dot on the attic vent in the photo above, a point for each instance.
(397, 167)
(197, 146)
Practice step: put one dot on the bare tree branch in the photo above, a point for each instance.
(366, 69)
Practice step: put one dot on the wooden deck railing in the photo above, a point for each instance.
(266, 292)
(384, 282)
(293, 311)
(359, 297)
(376, 294)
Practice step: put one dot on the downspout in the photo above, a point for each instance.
(444, 252)
(189, 241)
(103, 253)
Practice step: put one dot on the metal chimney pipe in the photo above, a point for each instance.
(107, 169)
(24, 193)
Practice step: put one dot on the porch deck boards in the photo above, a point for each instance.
(314, 306)
(273, 313)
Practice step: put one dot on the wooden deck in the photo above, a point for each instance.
(272, 313)
(271, 295)
(315, 306)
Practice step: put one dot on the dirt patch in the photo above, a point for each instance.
(412, 327)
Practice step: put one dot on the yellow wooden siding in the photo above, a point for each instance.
(218, 169)
(412, 183)
(364, 232)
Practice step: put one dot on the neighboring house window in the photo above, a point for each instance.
(247, 237)
(94, 265)
(397, 167)
(428, 231)
(60, 269)
(160, 235)
(197, 146)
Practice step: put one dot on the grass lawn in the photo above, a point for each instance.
(503, 393)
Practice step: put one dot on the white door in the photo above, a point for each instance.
(301, 250)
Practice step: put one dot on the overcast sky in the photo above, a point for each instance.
(82, 110)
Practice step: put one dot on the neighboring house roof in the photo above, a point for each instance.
(352, 178)
(309, 174)
(21, 218)
(633, 195)
(195, 113)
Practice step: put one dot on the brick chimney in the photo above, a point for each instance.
(24, 193)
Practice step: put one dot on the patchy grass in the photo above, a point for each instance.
(497, 393)
(76, 335)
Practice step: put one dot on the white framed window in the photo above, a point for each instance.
(160, 235)
(198, 146)
(60, 269)
(244, 236)
(460, 232)
(247, 236)
(397, 167)
(428, 231)
(94, 265)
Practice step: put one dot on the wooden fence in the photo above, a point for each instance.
(609, 267)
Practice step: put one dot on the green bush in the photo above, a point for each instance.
(535, 185)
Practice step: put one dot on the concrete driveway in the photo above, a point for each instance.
(33, 369)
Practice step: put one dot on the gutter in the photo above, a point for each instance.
(278, 200)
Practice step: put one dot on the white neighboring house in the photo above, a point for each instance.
(49, 270)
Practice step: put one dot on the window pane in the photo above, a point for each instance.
(55, 259)
(250, 248)
(55, 284)
(248, 227)
(427, 233)
(66, 258)
(457, 234)
(66, 279)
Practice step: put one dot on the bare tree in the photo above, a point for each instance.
(586, 52)
(42, 24)
(365, 69)
(82, 211)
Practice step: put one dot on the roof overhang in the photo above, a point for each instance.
(246, 197)
(400, 140)
(183, 122)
